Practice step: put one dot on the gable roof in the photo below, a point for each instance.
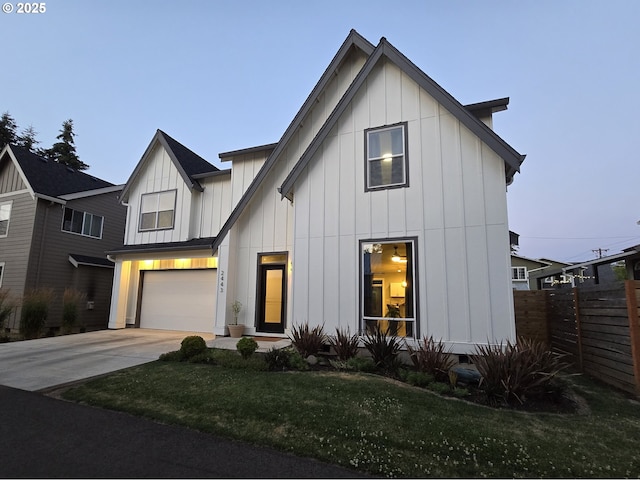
(539, 262)
(188, 163)
(48, 178)
(353, 40)
(512, 159)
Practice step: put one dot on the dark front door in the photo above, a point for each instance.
(271, 298)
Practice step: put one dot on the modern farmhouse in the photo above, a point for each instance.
(384, 202)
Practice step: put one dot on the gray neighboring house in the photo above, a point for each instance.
(56, 224)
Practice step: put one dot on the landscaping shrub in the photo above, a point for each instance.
(192, 345)
(440, 387)
(517, 372)
(246, 346)
(344, 344)
(71, 300)
(384, 349)
(306, 340)
(280, 359)
(205, 357)
(231, 359)
(419, 379)
(175, 356)
(361, 364)
(35, 308)
(431, 357)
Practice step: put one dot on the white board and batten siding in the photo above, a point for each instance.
(455, 206)
(159, 175)
(266, 225)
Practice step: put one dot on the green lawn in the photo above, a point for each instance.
(376, 425)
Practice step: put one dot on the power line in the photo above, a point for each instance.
(599, 251)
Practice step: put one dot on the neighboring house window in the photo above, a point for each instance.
(388, 286)
(82, 223)
(1, 272)
(157, 210)
(5, 215)
(518, 273)
(386, 161)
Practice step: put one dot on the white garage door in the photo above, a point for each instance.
(179, 300)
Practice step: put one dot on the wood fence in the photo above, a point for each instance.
(596, 327)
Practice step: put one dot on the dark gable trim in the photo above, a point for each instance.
(384, 49)
(160, 138)
(195, 244)
(192, 184)
(236, 153)
(354, 39)
(485, 109)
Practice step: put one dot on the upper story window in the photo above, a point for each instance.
(82, 223)
(518, 273)
(5, 215)
(386, 162)
(157, 210)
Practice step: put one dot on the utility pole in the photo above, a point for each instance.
(599, 251)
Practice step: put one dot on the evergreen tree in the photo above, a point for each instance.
(27, 139)
(8, 129)
(64, 151)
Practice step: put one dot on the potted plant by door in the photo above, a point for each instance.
(236, 330)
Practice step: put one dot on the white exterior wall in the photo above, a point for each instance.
(455, 205)
(214, 204)
(266, 225)
(159, 175)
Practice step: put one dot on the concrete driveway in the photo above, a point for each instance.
(40, 364)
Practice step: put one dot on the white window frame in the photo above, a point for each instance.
(87, 219)
(2, 266)
(8, 219)
(518, 277)
(401, 157)
(156, 210)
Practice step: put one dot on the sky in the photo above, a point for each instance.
(221, 75)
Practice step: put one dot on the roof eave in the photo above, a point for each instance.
(511, 158)
(353, 39)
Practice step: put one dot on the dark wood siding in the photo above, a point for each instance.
(15, 247)
(49, 264)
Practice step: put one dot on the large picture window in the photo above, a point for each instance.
(157, 210)
(82, 223)
(388, 286)
(386, 162)
(5, 216)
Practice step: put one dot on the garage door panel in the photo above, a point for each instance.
(179, 300)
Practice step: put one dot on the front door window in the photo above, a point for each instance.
(271, 293)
